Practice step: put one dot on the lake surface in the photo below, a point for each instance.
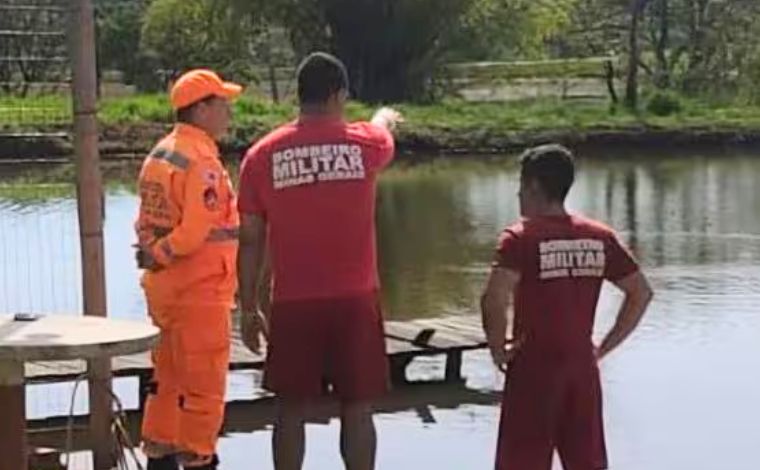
(682, 394)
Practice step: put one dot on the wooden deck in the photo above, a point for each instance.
(405, 340)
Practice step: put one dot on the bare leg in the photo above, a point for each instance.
(288, 439)
(358, 438)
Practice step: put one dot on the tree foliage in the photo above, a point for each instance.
(119, 26)
(184, 34)
(696, 46)
(391, 49)
(395, 49)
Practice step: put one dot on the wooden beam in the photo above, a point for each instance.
(90, 203)
(32, 8)
(13, 446)
(454, 367)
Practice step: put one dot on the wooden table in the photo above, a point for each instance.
(53, 338)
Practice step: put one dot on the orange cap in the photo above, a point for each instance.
(197, 84)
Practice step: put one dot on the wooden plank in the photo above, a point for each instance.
(472, 335)
(397, 347)
(447, 334)
(241, 358)
(130, 363)
(463, 324)
(134, 360)
(469, 323)
(440, 340)
(35, 369)
(467, 334)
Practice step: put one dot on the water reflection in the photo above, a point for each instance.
(680, 395)
(437, 225)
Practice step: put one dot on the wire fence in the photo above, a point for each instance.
(39, 251)
(34, 62)
(40, 269)
(40, 259)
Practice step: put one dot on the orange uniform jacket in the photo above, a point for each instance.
(188, 221)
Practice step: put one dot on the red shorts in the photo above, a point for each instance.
(338, 342)
(548, 406)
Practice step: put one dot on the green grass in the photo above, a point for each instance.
(35, 192)
(135, 109)
(559, 115)
(34, 182)
(51, 110)
(452, 117)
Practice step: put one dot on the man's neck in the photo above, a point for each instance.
(195, 127)
(552, 210)
(318, 112)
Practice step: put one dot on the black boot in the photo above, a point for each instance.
(209, 466)
(168, 462)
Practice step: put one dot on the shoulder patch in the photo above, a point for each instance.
(210, 177)
(211, 199)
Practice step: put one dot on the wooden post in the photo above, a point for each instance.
(609, 74)
(454, 366)
(90, 202)
(145, 379)
(13, 440)
(398, 364)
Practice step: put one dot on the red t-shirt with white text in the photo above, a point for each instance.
(563, 261)
(314, 182)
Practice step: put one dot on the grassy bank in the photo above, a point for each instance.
(451, 123)
(455, 114)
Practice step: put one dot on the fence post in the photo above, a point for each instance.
(90, 207)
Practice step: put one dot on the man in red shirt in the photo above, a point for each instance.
(307, 193)
(552, 265)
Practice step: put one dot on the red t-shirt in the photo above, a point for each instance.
(562, 261)
(314, 181)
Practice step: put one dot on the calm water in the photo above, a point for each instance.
(681, 395)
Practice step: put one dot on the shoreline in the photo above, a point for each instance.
(133, 142)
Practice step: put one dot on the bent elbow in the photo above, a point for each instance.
(648, 295)
(646, 292)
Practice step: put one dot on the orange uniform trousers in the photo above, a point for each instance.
(184, 410)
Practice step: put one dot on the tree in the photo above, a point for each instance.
(696, 46)
(119, 25)
(268, 42)
(395, 49)
(634, 54)
(661, 39)
(597, 27)
(721, 37)
(391, 49)
(184, 34)
(509, 29)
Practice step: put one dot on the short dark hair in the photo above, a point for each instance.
(552, 166)
(320, 76)
(185, 115)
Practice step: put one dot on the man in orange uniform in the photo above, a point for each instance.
(188, 230)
